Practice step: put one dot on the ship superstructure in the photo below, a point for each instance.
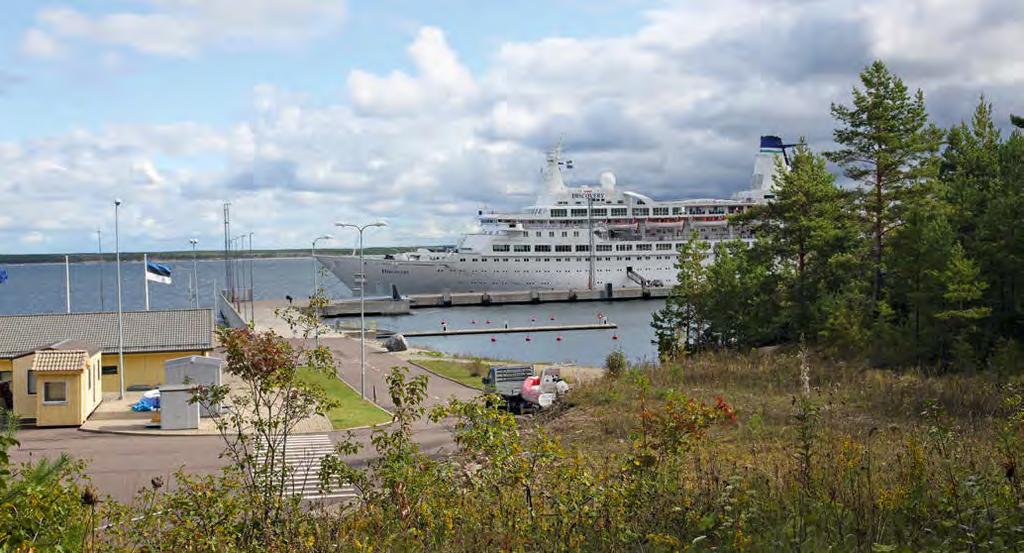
(573, 237)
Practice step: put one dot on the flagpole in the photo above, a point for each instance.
(67, 282)
(145, 276)
(120, 315)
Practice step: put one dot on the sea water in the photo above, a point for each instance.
(39, 288)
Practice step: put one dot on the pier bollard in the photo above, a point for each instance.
(534, 296)
(485, 299)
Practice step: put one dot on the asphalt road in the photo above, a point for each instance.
(120, 465)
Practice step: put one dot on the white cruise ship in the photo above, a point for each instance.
(572, 238)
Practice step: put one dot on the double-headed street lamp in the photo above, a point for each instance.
(361, 280)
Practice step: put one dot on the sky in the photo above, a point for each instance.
(302, 113)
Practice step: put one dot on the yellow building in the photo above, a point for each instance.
(64, 381)
(150, 338)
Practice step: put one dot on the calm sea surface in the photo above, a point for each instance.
(39, 288)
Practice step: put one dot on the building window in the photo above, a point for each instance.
(643, 247)
(664, 246)
(55, 392)
(579, 212)
(623, 247)
(583, 247)
(677, 211)
(559, 212)
(618, 212)
(599, 212)
(31, 382)
(641, 211)
(110, 369)
(604, 247)
(500, 247)
(521, 248)
(563, 248)
(6, 376)
(542, 248)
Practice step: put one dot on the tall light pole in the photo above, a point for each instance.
(120, 314)
(312, 256)
(195, 271)
(252, 287)
(99, 242)
(361, 280)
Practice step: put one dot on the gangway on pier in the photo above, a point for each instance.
(635, 277)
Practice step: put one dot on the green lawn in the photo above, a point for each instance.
(351, 411)
(455, 370)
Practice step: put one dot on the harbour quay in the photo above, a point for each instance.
(403, 305)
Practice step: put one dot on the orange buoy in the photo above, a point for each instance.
(558, 338)
(615, 336)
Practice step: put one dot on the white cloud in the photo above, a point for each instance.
(674, 109)
(39, 44)
(441, 80)
(183, 28)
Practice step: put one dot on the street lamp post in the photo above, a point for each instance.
(312, 256)
(195, 272)
(361, 279)
(120, 314)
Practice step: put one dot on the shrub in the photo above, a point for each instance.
(616, 364)
(477, 368)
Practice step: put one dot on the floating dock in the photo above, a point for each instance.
(405, 304)
(510, 330)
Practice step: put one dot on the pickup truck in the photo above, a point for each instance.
(521, 389)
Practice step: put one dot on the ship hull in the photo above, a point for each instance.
(468, 274)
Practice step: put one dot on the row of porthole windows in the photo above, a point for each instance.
(521, 248)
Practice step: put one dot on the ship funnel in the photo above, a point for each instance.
(772, 149)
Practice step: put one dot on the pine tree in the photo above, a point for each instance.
(970, 170)
(809, 223)
(742, 309)
(963, 290)
(1001, 231)
(680, 326)
(921, 248)
(888, 146)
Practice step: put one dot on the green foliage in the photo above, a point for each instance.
(887, 145)
(616, 363)
(41, 506)
(919, 265)
(679, 326)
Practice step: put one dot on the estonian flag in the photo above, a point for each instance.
(158, 273)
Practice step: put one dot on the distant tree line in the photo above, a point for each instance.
(920, 263)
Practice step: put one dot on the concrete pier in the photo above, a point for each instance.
(511, 330)
(388, 306)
